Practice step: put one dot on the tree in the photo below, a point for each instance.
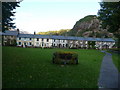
(60, 32)
(109, 14)
(91, 44)
(7, 13)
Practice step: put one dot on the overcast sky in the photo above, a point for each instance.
(46, 15)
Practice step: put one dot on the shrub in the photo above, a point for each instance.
(64, 57)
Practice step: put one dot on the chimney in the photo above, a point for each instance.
(34, 33)
(18, 31)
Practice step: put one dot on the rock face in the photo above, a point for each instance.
(89, 26)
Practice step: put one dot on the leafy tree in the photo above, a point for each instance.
(7, 13)
(109, 14)
(63, 31)
(92, 44)
(60, 32)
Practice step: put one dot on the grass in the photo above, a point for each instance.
(33, 68)
(116, 61)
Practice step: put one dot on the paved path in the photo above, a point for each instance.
(108, 73)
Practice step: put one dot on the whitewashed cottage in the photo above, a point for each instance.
(53, 41)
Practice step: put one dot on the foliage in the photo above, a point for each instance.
(72, 32)
(11, 42)
(63, 57)
(8, 42)
(32, 68)
(92, 44)
(59, 32)
(14, 43)
(109, 14)
(7, 13)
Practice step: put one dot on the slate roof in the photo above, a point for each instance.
(59, 37)
(1, 33)
(15, 33)
(98, 39)
(71, 38)
(42, 36)
(107, 39)
(65, 37)
(12, 33)
(26, 35)
(80, 38)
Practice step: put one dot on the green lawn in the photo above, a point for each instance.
(33, 68)
(116, 60)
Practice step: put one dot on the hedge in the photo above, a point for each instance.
(64, 57)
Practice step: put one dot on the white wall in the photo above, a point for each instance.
(25, 40)
(71, 43)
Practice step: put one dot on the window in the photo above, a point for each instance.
(25, 43)
(54, 40)
(45, 45)
(30, 38)
(4, 36)
(81, 42)
(42, 39)
(37, 39)
(42, 44)
(63, 45)
(47, 40)
(66, 45)
(37, 43)
(19, 38)
(12, 36)
(24, 38)
(19, 43)
(29, 43)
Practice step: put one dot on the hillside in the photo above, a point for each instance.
(88, 26)
(59, 32)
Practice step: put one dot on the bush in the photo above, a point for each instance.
(63, 57)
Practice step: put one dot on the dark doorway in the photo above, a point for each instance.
(59, 45)
(66, 45)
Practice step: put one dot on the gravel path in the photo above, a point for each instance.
(108, 73)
